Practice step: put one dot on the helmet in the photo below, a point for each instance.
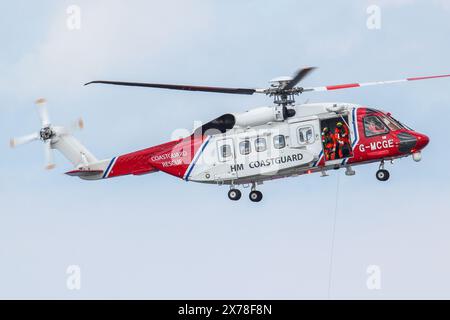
(339, 124)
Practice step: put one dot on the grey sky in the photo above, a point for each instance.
(158, 237)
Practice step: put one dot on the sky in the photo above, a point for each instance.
(157, 237)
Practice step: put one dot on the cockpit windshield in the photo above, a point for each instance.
(402, 124)
(392, 123)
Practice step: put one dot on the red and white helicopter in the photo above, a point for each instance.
(246, 149)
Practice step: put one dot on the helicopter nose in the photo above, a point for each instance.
(422, 141)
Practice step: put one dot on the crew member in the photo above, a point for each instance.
(329, 144)
(375, 126)
(342, 137)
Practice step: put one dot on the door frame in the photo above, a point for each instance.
(346, 118)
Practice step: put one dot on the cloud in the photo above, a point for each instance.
(444, 4)
(109, 37)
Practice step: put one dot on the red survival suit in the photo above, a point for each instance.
(342, 138)
(329, 144)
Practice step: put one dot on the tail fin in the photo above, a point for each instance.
(86, 164)
(72, 149)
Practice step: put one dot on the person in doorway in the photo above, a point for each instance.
(342, 137)
(329, 144)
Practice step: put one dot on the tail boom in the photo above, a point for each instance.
(174, 158)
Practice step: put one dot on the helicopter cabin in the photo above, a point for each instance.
(244, 150)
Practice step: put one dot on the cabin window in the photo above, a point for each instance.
(260, 144)
(373, 126)
(245, 147)
(279, 142)
(225, 151)
(306, 135)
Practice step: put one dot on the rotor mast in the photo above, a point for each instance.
(283, 89)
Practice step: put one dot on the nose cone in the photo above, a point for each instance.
(422, 141)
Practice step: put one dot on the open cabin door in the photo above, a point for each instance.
(336, 139)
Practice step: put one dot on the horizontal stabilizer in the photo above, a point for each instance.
(84, 173)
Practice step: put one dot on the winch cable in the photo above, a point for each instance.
(333, 234)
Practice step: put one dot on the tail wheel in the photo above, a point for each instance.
(255, 196)
(382, 175)
(234, 194)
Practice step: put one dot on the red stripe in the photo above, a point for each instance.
(137, 162)
(176, 159)
(343, 86)
(431, 77)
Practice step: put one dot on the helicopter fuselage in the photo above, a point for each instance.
(260, 144)
(235, 152)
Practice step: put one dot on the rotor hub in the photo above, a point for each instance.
(46, 133)
(284, 97)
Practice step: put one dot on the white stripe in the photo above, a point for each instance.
(194, 160)
(318, 89)
(354, 130)
(365, 84)
(355, 121)
(111, 167)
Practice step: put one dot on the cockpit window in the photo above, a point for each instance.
(391, 123)
(373, 126)
(402, 125)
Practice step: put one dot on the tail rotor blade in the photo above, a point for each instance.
(77, 125)
(49, 164)
(43, 113)
(23, 140)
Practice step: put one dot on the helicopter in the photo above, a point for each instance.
(249, 148)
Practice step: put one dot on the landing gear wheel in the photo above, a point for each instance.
(382, 175)
(255, 196)
(234, 194)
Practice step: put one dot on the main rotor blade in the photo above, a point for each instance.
(22, 140)
(49, 164)
(43, 113)
(366, 84)
(302, 73)
(178, 87)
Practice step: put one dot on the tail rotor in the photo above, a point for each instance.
(48, 134)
